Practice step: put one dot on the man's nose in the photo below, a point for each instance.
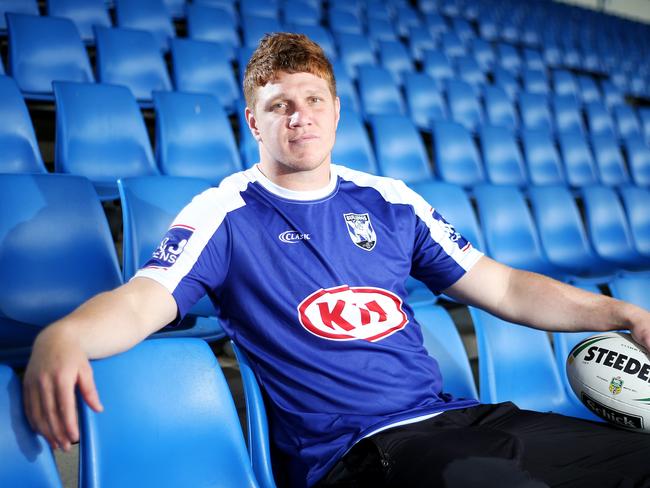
(300, 116)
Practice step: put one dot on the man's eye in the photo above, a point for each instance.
(315, 99)
(280, 106)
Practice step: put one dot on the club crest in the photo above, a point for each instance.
(361, 230)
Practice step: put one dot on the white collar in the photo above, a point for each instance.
(301, 195)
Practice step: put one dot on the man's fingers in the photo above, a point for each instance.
(38, 417)
(88, 389)
(67, 411)
(50, 412)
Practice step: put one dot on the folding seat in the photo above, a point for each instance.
(612, 95)
(588, 89)
(424, 99)
(194, 136)
(590, 61)
(469, 71)
(254, 28)
(563, 235)
(436, 24)
(379, 93)
(212, 24)
(438, 67)
(56, 252)
(534, 81)
(406, 17)
(381, 30)
(626, 122)
(84, 13)
(248, 147)
(568, 116)
(507, 81)
(487, 29)
(352, 147)
(203, 67)
(345, 88)
(131, 58)
(259, 8)
(508, 57)
(534, 112)
(27, 459)
(420, 41)
(609, 161)
(501, 156)
(533, 60)
(354, 51)
(578, 159)
(18, 145)
(244, 54)
(344, 21)
(517, 364)
(552, 55)
(509, 230)
(571, 57)
(378, 10)
(542, 159)
(42, 50)
(353, 6)
(463, 104)
(483, 52)
(395, 58)
(632, 288)
(146, 15)
(150, 392)
(176, 8)
(638, 159)
(609, 230)
(599, 121)
(100, 134)
(29, 7)
(499, 110)
(636, 202)
(456, 158)
(301, 13)
(400, 151)
(509, 31)
(463, 29)
(452, 45)
(644, 118)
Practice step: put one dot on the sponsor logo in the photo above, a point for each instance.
(345, 313)
(615, 416)
(616, 385)
(293, 237)
(172, 245)
(360, 230)
(614, 360)
(452, 234)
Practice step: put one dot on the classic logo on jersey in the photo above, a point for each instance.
(345, 313)
(361, 230)
(293, 237)
(172, 245)
(450, 231)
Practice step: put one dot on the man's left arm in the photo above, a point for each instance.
(543, 303)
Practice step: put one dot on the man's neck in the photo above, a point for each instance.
(295, 180)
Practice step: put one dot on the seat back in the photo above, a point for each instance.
(636, 202)
(542, 158)
(499, 110)
(345, 89)
(599, 121)
(535, 81)
(564, 84)
(626, 121)
(84, 13)
(18, 146)
(501, 156)
(578, 159)
(212, 23)
(438, 67)
(352, 147)
(100, 134)
(379, 93)
(470, 72)
(456, 156)
(424, 99)
(26, 457)
(163, 393)
(255, 27)
(609, 160)
(29, 7)
(567, 113)
(534, 112)
(395, 58)
(463, 104)
(354, 50)
(633, 289)
(146, 15)
(588, 89)
(638, 159)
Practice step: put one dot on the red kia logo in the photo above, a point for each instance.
(345, 313)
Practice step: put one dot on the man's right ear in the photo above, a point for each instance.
(252, 124)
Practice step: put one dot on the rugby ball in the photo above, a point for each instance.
(610, 374)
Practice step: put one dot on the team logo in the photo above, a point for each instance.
(345, 313)
(361, 230)
(172, 246)
(450, 231)
(293, 237)
(616, 385)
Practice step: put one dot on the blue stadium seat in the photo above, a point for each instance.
(133, 59)
(644, 118)
(301, 13)
(470, 72)
(255, 27)
(352, 147)
(632, 288)
(609, 160)
(517, 364)
(534, 81)
(564, 83)
(42, 50)
(437, 66)
(27, 459)
(203, 67)
(100, 134)
(401, 153)
(420, 41)
(463, 103)
(463, 29)
(638, 159)
(248, 147)
(534, 112)
(194, 136)
(84, 13)
(379, 93)
(321, 36)
(568, 116)
(2, 67)
(56, 251)
(345, 88)
(542, 159)
(424, 99)
(29, 7)
(599, 121)
(509, 230)
(499, 109)
(150, 392)
(146, 15)
(380, 30)
(344, 21)
(456, 157)
(612, 95)
(436, 23)
(451, 44)
(207, 23)
(578, 160)
(508, 57)
(507, 81)
(18, 145)
(176, 8)
(588, 89)
(563, 235)
(354, 51)
(533, 60)
(483, 52)
(259, 8)
(626, 122)
(501, 156)
(406, 17)
(636, 202)
(609, 230)
(552, 55)
(394, 56)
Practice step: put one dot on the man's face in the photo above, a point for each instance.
(294, 121)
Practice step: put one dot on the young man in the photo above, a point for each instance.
(306, 263)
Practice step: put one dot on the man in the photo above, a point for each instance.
(306, 263)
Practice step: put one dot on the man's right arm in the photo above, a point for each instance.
(107, 324)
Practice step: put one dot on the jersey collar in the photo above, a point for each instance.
(295, 194)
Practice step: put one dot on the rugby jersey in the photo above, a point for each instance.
(312, 286)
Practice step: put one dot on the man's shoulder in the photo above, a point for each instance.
(391, 189)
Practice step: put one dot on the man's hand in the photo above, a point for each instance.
(639, 325)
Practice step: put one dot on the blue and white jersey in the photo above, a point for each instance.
(312, 286)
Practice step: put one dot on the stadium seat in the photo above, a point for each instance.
(456, 157)
(535, 81)
(507, 81)
(321, 36)
(18, 145)
(399, 148)
(146, 15)
(42, 50)
(29, 7)
(564, 84)
(301, 13)
(395, 58)
(84, 13)
(345, 88)
(424, 99)
(56, 251)
(164, 393)
(644, 118)
(534, 112)
(501, 156)
(483, 52)
(215, 24)
(632, 288)
(499, 109)
(437, 65)
(609, 160)
(405, 18)
(533, 60)
(100, 134)
(27, 459)
(470, 72)
(451, 44)
(420, 42)
(194, 136)
(552, 55)
(259, 8)
(517, 364)
(638, 159)
(203, 67)
(380, 30)
(636, 202)
(588, 89)
(509, 230)
(626, 122)
(463, 29)
(131, 58)
(379, 93)
(352, 147)
(599, 121)
(567, 113)
(542, 159)
(463, 103)
(609, 230)
(508, 57)
(255, 27)
(176, 8)
(248, 148)
(611, 94)
(344, 21)
(354, 51)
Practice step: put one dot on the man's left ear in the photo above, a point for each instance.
(252, 124)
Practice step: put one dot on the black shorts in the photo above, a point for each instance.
(496, 446)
